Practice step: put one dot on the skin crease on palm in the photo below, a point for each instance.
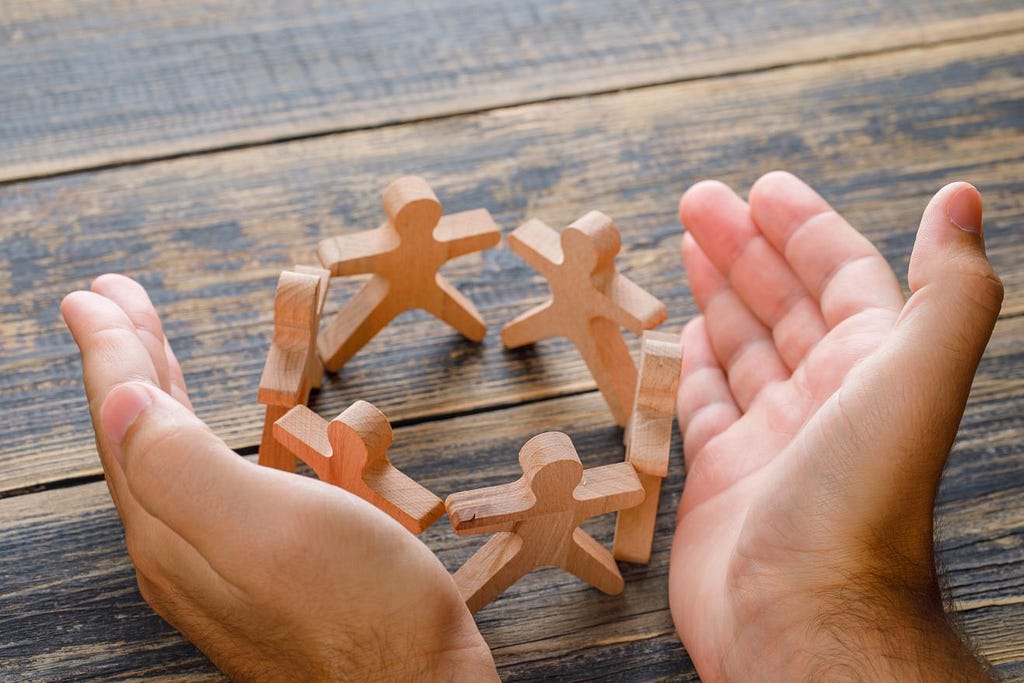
(817, 405)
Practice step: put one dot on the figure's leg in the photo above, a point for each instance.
(591, 561)
(532, 326)
(634, 527)
(356, 324)
(272, 452)
(453, 307)
(608, 358)
(495, 567)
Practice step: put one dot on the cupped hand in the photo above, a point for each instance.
(273, 576)
(818, 408)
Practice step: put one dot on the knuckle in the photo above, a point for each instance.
(982, 285)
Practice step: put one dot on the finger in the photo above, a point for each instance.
(837, 265)
(112, 352)
(705, 405)
(135, 302)
(743, 346)
(187, 478)
(947, 322)
(720, 222)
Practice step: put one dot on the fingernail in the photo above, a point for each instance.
(119, 412)
(964, 210)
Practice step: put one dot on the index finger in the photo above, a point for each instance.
(108, 340)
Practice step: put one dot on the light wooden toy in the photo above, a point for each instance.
(293, 368)
(350, 451)
(589, 302)
(535, 520)
(404, 255)
(648, 440)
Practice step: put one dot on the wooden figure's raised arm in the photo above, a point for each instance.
(304, 433)
(467, 232)
(631, 306)
(489, 510)
(608, 488)
(539, 245)
(359, 253)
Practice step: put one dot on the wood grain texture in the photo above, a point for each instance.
(209, 236)
(90, 83)
(69, 602)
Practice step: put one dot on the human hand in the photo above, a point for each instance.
(818, 409)
(273, 576)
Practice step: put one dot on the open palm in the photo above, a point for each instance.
(274, 576)
(818, 408)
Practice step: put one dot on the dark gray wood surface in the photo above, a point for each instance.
(87, 83)
(877, 104)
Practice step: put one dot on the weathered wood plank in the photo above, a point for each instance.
(208, 235)
(85, 84)
(69, 602)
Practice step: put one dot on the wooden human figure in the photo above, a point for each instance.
(648, 440)
(350, 451)
(293, 367)
(404, 255)
(590, 301)
(535, 520)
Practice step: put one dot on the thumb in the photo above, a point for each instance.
(182, 473)
(956, 295)
(924, 371)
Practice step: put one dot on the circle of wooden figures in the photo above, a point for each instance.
(535, 519)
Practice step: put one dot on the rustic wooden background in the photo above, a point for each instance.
(202, 146)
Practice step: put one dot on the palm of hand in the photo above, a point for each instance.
(794, 405)
(274, 576)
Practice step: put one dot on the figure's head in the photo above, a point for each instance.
(590, 243)
(361, 428)
(552, 468)
(410, 204)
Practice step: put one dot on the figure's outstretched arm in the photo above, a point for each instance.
(356, 254)
(538, 244)
(631, 306)
(467, 232)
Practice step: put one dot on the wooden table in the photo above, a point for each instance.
(201, 148)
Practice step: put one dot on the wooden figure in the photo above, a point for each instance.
(350, 451)
(293, 368)
(404, 255)
(648, 440)
(589, 302)
(535, 520)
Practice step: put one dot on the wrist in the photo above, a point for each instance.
(849, 633)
